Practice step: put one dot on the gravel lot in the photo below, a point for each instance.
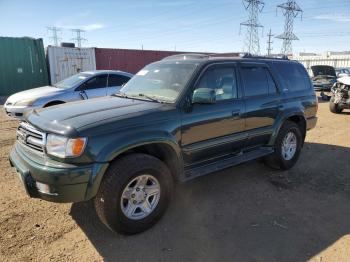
(245, 213)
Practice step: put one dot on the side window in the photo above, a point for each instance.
(222, 79)
(272, 84)
(255, 81)
(95, 83)
(294, 77)
(117, 80)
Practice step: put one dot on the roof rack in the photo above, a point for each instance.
(189, 56)
(248, 55)
(186, 56)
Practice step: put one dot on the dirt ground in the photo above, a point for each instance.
(245, 213)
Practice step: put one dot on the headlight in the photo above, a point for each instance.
(25, 102)
(64, 147)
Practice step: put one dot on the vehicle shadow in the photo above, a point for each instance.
(245, 213)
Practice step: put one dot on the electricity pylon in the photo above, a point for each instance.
(290, 10)
(254, 7)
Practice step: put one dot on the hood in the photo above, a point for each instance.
(70, 118)
(34, 93)
(323, 70)
(345, 80)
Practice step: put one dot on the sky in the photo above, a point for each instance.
(182, 25)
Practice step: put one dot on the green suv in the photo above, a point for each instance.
(176, 119)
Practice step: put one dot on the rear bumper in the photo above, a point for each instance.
(67, 183)
(311, 122)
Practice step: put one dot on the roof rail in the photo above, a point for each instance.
(282, 57)
(186, 56)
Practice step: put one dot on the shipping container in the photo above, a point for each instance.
(65, 61)
(22, 64)
(128, 60)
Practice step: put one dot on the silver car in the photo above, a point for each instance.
(84, 85)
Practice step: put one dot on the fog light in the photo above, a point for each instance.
(43, 188)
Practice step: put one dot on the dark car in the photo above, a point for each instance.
(176, 119)
(323, 78)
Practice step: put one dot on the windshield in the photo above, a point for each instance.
(72, 81)
(163, 81)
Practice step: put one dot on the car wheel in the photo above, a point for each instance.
(334, 108)
(287, 147)
(134, 193)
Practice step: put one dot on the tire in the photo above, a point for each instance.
(110, 205)
(278, 159)
(334, 108)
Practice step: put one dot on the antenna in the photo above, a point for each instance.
(269, 43)
(54, 35)
(78, 39)
(254, 7)
(290, 10)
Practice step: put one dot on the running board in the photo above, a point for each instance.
(206, 168)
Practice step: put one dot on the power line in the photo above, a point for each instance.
(290, 10)
(54, 36)
(78, 39)
(269, 43)
(254, 7)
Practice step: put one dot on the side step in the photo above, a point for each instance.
(226, 162)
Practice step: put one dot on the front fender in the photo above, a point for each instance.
(121, 144)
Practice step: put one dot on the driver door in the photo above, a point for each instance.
(217, 129)
(94, 87)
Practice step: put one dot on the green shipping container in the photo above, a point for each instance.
(22, 64)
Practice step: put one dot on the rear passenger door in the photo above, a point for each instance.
(115, 83)
(262, 102)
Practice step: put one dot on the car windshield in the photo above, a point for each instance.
(72, 81)
(161, 82)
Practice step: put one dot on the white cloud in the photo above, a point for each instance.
(75, 21)
(334, 17)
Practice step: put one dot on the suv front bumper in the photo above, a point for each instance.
(67, 182)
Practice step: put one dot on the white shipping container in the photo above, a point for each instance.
(65, 61)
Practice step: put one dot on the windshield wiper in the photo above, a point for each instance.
(151, 98)
(120, 94)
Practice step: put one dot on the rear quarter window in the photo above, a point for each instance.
(293, 76)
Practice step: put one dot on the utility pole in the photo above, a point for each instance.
(54, 34)
(78, 39)
(269, 43)
(254, 7)
(290, 10)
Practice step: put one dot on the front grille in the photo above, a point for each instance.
(31, 137)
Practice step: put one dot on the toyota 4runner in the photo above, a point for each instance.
(176, 119)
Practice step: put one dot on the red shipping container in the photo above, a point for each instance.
(128, 60)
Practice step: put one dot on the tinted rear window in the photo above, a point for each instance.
(257, 81)
(293, 76)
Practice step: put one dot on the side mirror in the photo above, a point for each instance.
(204, 96)
(83, 95)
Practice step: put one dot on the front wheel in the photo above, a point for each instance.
(287, 147)
(334, 108)
(134, 193)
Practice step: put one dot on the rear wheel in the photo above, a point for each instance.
(134, 193)
(287, 147)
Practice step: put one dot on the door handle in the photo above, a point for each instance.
(236, 114)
